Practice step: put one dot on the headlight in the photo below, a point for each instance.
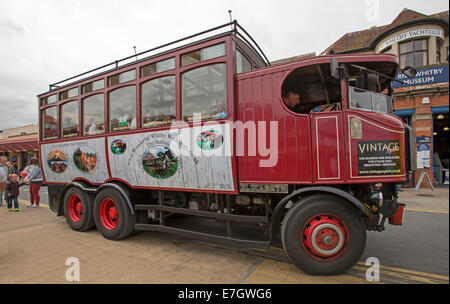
(376, 198)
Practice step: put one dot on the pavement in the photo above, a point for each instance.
(35, 246)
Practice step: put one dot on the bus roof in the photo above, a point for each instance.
(235, 29)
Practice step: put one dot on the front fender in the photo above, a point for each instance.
(278, 212)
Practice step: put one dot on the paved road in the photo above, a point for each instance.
(39, 243)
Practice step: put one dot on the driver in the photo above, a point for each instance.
(292, 100)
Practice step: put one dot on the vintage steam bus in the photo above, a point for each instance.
(196, 139)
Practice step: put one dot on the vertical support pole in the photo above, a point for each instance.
(161, 203)
(229, 232)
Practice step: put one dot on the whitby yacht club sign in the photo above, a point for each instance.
(410, 35)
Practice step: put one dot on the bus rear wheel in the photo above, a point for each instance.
(323, 235)
(78, 210)
(112, 216)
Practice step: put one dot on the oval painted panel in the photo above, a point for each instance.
(160, 162)
(57, 161)
(118, 146)
(209, 140)
(85, 159)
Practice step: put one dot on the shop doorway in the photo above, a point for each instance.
(440, 147)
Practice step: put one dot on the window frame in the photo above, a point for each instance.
(108, 109)
(426, 50)
(42, 118)
(252, 65)
(147, 80)
(82, 99)
(198, 66)
(181, 65)
(61, 117)
(228, 60)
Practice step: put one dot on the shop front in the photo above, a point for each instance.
(19, 150)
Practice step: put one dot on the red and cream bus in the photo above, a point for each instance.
(199, 128)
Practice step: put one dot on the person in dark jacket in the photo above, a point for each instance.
(12, 192)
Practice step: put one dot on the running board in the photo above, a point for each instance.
(205, 236)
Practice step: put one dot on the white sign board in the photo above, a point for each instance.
(423, 157)
(408, 35)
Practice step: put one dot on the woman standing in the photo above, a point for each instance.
(35, 181)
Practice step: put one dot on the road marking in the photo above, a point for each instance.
(406, 276)
(427, 210)
(407, 273)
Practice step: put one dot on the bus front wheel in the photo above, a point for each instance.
(112, 215)
(323, 235)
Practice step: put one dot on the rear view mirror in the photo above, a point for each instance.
(409, 72)
(334, 68)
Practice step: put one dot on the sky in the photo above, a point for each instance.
(45, 41)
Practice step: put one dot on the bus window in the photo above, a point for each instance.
(93, 115)
(69, 121)
(158, 102)
(242, 63)
(50, 125)
(50, 99)
(122, 109)
(204, 92)
(203, 54)
(122, 77)
(93, 86)
(158, 67)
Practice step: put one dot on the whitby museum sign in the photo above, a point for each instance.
(431, 75)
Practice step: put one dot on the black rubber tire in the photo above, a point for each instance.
(53, 199)
(126, 222)
(87, 220)
(306, 209)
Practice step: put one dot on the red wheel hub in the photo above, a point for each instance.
(325, 237)
(109, 214)
(75, 208)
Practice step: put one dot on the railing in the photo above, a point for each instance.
(235, 27)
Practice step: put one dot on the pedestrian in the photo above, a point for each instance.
(12, 192)
(3, 180)
(34, 178)
(7, 170)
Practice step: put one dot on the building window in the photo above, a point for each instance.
(388, 50)
(414, 53)
(203, 54)
(438, 51)
(158, 102)
(204, 92)
(50, 123)
(122, 109)
(70, 119)
(93, 115)
(407, 120)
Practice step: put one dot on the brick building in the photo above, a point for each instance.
(19, 144)
(420, 41)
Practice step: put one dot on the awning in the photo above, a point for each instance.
(19, 144)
